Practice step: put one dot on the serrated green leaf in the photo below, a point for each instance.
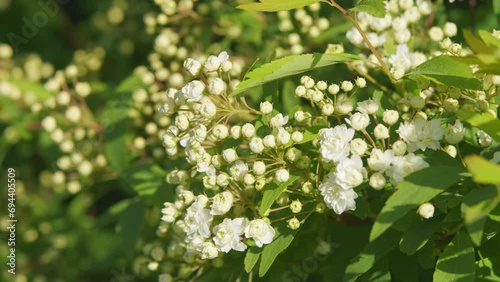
(283, 238)
(251, 258)
(457, 262)
(32, 87)
(372, 253)
(288, 66)
(276, 5)
(483, 171)
(488, 269)
(273, 192)
(484, 121)
(416, 189)
(449, 71)
(372, 7)
(418, 234)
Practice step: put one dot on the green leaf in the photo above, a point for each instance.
(488, 269)
(372, 7)
(372, 253)
(288, 66)
(276, 5)
(457, 262)
(483, 171)
(476, 206)
(272, 193)
(251, 258)
(484, 121)
(416, 189)
(418, 234)
(283, 238)
(447, 70)
(31, 87)
(130, 84)
(148, 180)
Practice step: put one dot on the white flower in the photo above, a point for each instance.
(208, 250)
(380, 161)
(404, 166)
(239, 170)
(199, 133)
(358, 121)
(334, 143)
(198, 220)
(354, 36)
(426, 210)
(193, 91)
(283, 137)
(337, 198)
(212, 64)
(421, 134)
(228, 235)
(216, 86)
(192, 66)
(454, 134)
(282, 175)
(368, 106)
(73, 113)
(222, 203)
(208, 109)
(169, 212)
(402, 58)
(350, 172)
(261, 232)
(279, 120)
(220, 131)
(256, 145)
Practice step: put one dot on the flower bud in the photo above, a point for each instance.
(399, 147)
(293, 223)
(344, 107)
(361, 82)
(256, 145)
(283, 137)
(359, 121)
(300, 91)
(259, 168)
(235, 131)
(297, 136)
(266, 107)
(346, 86)
(327, 109)
(296, 206)
(229, 155)
(426, 210)
(450, 29)
(358, 146)
(269, 141)
(333, 89)
(216, 86)
(282, 175)
(377, 181)
(222, 179)
(436, 34)
(381, 132)
(293, 154)
(248, 130)
(451, 150)
(390, 117)
(321, 85)
(417, 102)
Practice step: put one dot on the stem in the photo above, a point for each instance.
(365, 38)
